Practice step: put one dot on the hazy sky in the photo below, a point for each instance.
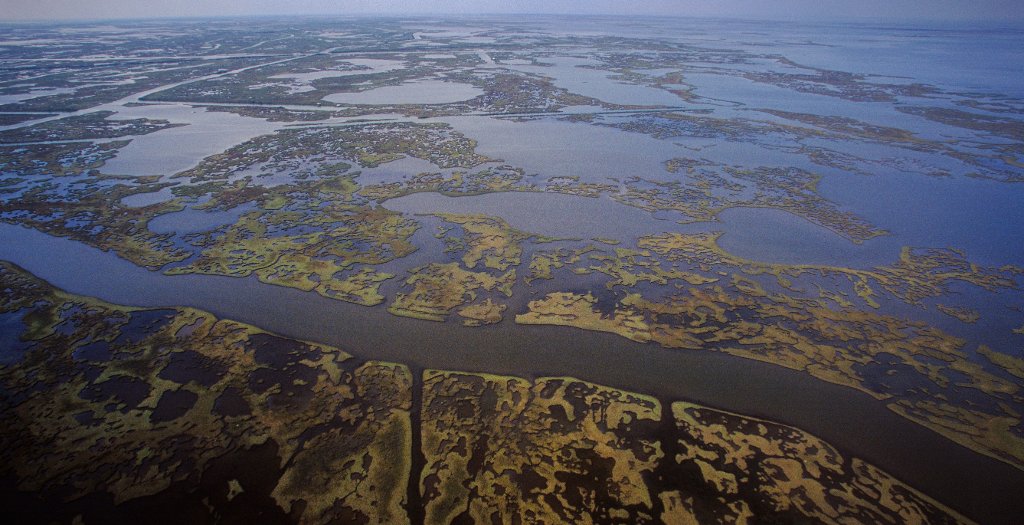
(781, 9)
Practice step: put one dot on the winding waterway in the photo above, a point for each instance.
(853, 421)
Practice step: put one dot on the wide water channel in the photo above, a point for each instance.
(857, 424)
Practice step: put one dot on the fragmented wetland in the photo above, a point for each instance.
(511, 271)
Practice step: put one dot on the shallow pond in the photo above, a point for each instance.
(191, 220)
(550, 214)
(419, 92)
(567, 73)
(172, 150)
(552, 148)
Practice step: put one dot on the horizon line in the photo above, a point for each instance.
(1012, 21)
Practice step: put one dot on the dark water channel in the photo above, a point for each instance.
(980, 487)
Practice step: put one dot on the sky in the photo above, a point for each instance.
(953, 10)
